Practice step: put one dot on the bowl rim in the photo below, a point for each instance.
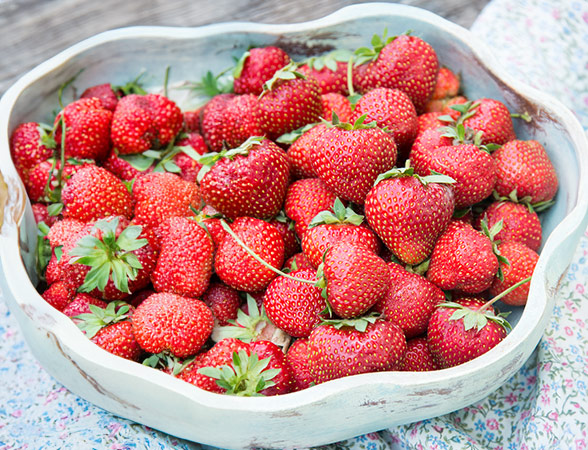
(67, 332)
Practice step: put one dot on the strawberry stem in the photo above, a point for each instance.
(502, 294)
(258, 258)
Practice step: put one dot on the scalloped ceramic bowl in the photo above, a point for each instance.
(331, 411)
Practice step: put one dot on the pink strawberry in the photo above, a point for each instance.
(522, 261)
(409, 213)
(257, 66)
(169, 322)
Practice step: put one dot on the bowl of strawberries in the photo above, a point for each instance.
(236, 232)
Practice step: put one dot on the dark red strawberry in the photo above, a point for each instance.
(289, 101)
(223, 301)
(417, 357)
(294, 306)
(463, 330)
(393, 110)
(410, 300)
(522, 261)
(257, 66)
(169, 322)
(184, 265)
(29, 145)
(349, 158)
(237, 268)
(350, 348)
(87, 129)
(525, 167)
(94, 193)
(297, 357)
(250, 180)
(409, 212)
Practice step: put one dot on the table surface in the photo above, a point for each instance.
(34, 30)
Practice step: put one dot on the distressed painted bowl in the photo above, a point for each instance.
(331, 411)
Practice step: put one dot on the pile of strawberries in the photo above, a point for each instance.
(346, 214)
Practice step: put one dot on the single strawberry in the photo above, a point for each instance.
(297, 357)
(111, 329)
(169, 322)
(522, 261)
(63, 231)
(430, 138)
(105, 93)
(142, 122)
(212, 120)
(236, 267)
(122, 168)
(249, 180)
(301, 152)
(519, 223)
(299, 261)
(462, 330)
(446, 87)
(294, 306)
(427, 121)
(93, 193)
(256, 66)
(525, 167)
(329, 228)
(338, 104)
(409, 212)
(349, 158)
(285, 227)
(492, 118)
(289, 101)
(393, 110)
(329, 70)
(410, 300)
(283, 380)
(417, 357)
(59, 294)
(464, 259)
(223, 301)
(184, 264)
(402, 62)
(81, 305)
(355, 279)
(345, 348)
(160, 195)
(30, 145)
(192, 120)
(472, 168)
(87, 129)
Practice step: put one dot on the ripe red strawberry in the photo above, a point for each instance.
(301, 153)
(192, 121)
(299, 261)
(211, 219)
(59, 294)
(519, 223)
(446, 87)
(349, 158)
(257, 66)
(428, 120)
(431, 138)
(417, 357)
(492, 118)
(289, 101)
(188, 165)
(81, 305)
(42, 215)
(525, 167)
(223, 301)
(338, 104)
(29, 145)
(142, 122)
(94, 193)
(391, 109)
(355, 277)
(105, 93)
(169, 322)
(184, 265)
(250, 180)
(461, 331)
(463, 259)
(297, 357)
(160, 195)
(283, 381)
(329, 228)
(360, 347)
(64, 230)
(409, 212)
(230, 120)
(473, 170)
(236, 268)
(111, 329)
(87, 125)
(121, 168)
(306, 198)
(522, 261)
(403, 62)
(410, 300)
(330, 71)
(38, 188)
(286, 229)
(294, 306)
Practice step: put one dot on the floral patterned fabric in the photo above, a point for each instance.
(543, 406)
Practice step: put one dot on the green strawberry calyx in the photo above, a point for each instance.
(132, 87)
(407, 171)
(359, 123)
(211, 84)
(358, 323)
(246, 376)
(246, 327)
(98, 318)
(109, 257)
(491, 234)
(328, 60)
(292, 136)
(475, 318)
(364, 55)
(209, 159)
(43, 249)
(167, 361)
(531, 207)
(338, 215)
(286, 73)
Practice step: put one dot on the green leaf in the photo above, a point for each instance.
(58, 252)
(138, 161)
(239, 67)
(55, 209)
